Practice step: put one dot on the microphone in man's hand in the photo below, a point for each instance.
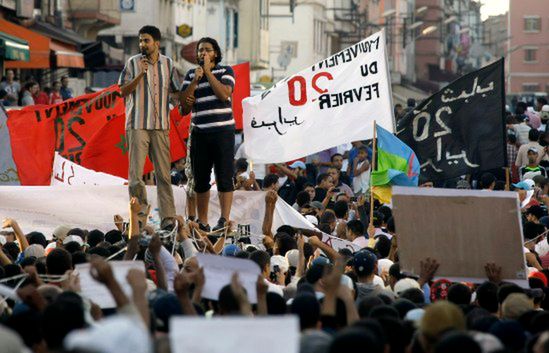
(201, 62)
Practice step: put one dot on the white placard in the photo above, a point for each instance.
(333, 102)
(218, 271)
(234, 334)
(98, 292)
(68, 173)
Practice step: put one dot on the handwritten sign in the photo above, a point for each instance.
(69, 173)
(235, 334)
(334, 101)
(97, 292)
(460, 129)
(218, 271)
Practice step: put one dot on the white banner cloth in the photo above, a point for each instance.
(333, 102)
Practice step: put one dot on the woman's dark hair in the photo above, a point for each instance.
(152, 31)
(215, 46)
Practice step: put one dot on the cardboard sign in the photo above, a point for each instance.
(462, 229)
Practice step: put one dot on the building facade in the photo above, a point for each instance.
(527, 63)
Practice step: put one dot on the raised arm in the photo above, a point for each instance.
(21, 238)
(270, 205)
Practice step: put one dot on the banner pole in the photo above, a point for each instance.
(374, 152)
(507, 179)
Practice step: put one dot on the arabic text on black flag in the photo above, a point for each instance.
(460, 129)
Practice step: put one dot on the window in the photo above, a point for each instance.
(531, 55)
(530, 87)
(532, 24)
(228, 18)
(264, 13)
(319, 44)
(235, 29)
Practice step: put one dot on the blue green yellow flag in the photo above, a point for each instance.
(397, 164)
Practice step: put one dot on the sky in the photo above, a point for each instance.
(493, 7)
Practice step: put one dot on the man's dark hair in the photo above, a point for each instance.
(386, 211)
(308, 184)
(228, 305)
(531, 230)
(335, 155)
(533, 135)
(383, 246)
(378, 219)
(542, 100)
(356, 227)
(37, 238)
(270, 180)
(459, 294)
(457, 342)
(302, 198)
(512, 138)
(327, 217)
(241, 165)
(215, 46)
(113, 236)
(285, 243)
(72, 247)
(536, 211)
(276, 305)
(58, 261)
(487, 296)
(341, 208)
(506, 289)
(79, 257)
(348, 339)
(321, 177)
(11, 249)
(391, 225)
(261, 258)
(95, 237)
(415, 295)
(152, 31)
(64, 315)
(366, 304)
(307, 308)
(486, 180)
(285, 228)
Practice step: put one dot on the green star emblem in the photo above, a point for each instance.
(123, 144)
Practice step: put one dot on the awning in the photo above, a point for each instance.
(13, 48)
(39, 47)
(66, 55)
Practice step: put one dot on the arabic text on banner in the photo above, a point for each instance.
(459, 129)
(335, 101)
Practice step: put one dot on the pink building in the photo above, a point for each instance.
(527, 61)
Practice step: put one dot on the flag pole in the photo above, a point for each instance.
(374, 152)
(507, 179)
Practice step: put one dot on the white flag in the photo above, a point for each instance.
(333, 102)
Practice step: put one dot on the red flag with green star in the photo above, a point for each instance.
(107, 150)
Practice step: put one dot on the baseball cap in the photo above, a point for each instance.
(318, 205)
(404, 284)
(533, 149)
(364, 262)
(463, 184)
(60, 232)
(298, 164)
(293, 257)
(230, 250)
(72, 238)
(527, 185)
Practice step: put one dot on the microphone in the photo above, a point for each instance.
(201, 62)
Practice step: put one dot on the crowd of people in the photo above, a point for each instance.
(344, 300)
(15, 93)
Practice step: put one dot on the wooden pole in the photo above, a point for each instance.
(374, 152)
(507, 179)
(251, 164)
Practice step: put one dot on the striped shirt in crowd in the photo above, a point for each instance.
(147, 107)
(209, 113)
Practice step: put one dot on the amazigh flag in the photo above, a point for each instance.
(397, 164)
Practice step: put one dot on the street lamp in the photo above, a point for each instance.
(415, 25)
(388, 13)
(450, 20)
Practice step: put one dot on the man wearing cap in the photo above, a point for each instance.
(522, 154)
(532, 167)
(365, 266)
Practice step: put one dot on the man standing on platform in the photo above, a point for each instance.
(207, 94)
(146, 82)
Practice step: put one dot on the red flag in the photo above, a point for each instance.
(89, 125)
(241, 90)
(107, 150)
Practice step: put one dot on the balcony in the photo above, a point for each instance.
(91, 16)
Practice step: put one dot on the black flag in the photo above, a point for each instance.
(460, 129)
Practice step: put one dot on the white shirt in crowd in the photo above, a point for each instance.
(361, 183)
